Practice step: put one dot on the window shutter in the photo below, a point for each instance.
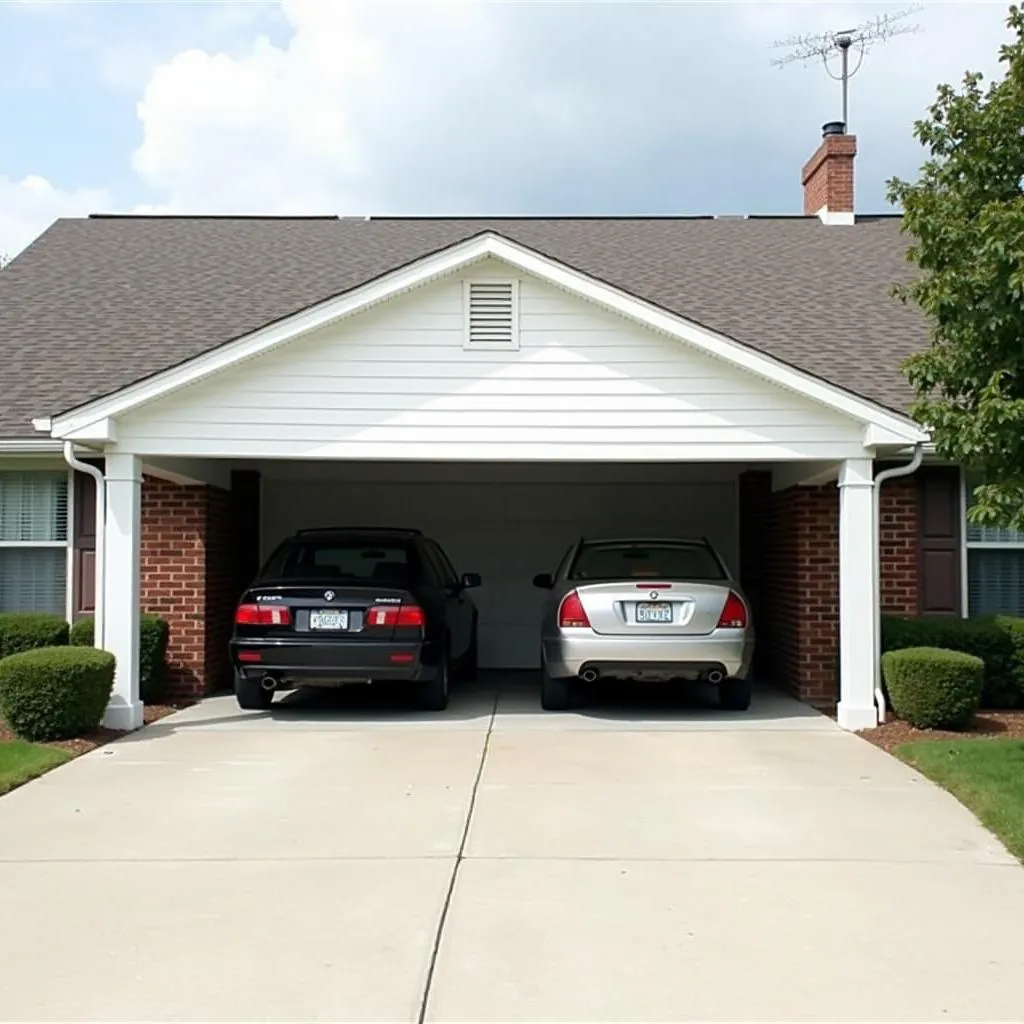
(938, 559)
(491, 320)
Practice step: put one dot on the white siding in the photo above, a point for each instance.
(397, 382)
(509, 522)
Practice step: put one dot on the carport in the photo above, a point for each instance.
(505, 403)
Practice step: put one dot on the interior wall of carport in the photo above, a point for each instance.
(789, 551)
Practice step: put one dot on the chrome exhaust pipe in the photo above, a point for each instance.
(714, 676)
(268, 683)
(589, 675)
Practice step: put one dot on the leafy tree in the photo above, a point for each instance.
(965, 214)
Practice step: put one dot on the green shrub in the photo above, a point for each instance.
(25, 631)
(153, 636)
(934, 689)
(1013, 628)
(986, 638)
(55, 693)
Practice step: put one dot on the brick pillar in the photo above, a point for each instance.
(188, 579)
(898, 546)
(800, 618)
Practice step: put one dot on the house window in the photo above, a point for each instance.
(995, 564)
(492, 314)
(33, 541)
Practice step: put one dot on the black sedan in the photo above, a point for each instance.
(345, 605)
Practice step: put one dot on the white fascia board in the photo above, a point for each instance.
(877, 435)
(451, 260)
(102, 431)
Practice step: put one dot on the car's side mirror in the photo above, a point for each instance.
(544, 581)
(471, 580)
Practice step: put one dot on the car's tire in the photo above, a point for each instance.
(734, 694)
(432, 693)
(555, 694)
(469, 666)
(250, 694)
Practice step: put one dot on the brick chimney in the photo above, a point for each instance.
(828, 176)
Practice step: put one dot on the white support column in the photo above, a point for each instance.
(121, 587)
(857, 592)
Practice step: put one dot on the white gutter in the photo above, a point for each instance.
(28, 446)
(886, 474)
(101, 529)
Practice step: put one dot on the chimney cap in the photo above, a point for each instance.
(833, 128)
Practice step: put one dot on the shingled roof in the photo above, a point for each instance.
(96, 304)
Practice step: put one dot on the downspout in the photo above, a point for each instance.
(99, 635)
(887, 474)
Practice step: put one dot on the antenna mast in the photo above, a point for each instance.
(822, 46)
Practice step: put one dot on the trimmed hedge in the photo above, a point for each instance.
(998, 641)
(153, 636)
(25, 631)
(55, 693)
(934, 689)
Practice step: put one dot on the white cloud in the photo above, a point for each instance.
(443, 107)
(397, 106)
(29, 206)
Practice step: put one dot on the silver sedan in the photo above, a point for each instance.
(644, 609)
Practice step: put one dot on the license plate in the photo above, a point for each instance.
(328, 620)
(660, 611)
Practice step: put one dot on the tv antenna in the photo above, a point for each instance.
(822, 46)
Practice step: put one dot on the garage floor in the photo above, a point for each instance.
(645, 861)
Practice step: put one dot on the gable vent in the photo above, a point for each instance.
(491, 314)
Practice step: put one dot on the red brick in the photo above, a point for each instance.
(789, 544)
(187, 578)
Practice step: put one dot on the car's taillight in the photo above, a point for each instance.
(571, 612)
(734, 614)
(396, 615)
(262, 615)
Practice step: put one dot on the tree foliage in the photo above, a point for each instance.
(965, 215)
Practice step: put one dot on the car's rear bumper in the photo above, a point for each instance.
(322, 663)
(573, 652)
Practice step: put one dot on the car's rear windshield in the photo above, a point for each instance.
(625, 560)
(356, 561)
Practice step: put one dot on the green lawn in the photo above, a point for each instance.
(20, 761)
(987, 776)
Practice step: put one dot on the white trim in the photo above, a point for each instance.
(102, 431)
(69, 579)
(33, 543)
(836, 218)
(448, 261)
(994, 545)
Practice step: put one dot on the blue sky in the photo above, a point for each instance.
(395, 106)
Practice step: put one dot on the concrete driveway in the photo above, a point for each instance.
(643, 862)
